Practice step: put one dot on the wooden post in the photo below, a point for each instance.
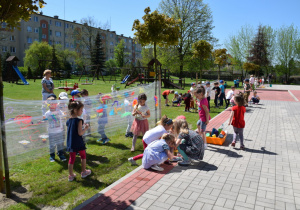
(1, 160)
(3, 137)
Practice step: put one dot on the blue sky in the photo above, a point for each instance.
(228, 15)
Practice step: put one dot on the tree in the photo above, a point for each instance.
(38, 51)
(201, 50)
(258, 52)
(98, 56)
(147, 55)
(29, 73)
(250, 66)
(11, 12)
(157, 29)
(196, 24)
(287, 40)
(55, 63)
(120, 54)
(220, 56)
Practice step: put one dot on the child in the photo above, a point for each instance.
(47, 87)
(165, 95)
(247, 89)
(140, 124)
(262, 80)
(237, 82)
(55, 130)
(237, 120)
(204, 116)
(75, 94)
(255, 98)
(207, 93)
(187, 101)
(159, 151)
(189, 143)
(192, 89)
(255, 83)
(76, 129)
(128, 108)
(176, 99)
(87, 102)
(229, 96)
(63, 100)
(102, 118)
(222, 94)
(217, 89)
(156, 133)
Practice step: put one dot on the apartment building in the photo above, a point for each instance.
(69, 34)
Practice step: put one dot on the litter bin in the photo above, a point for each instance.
(270, 85)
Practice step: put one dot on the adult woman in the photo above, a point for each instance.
(47, 86)
(189, 143)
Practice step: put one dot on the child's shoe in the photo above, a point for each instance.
(99, 140)
(233, 144)
(184, 163)
(132, 161)
(104, 141)
(167, 162)
(62, 157)
(52, 157)
(157, 168)
(85, 173)
(242, 147)
(205, 145)
(127, 135)
(71, 178)
(131, 134)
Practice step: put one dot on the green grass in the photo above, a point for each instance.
(48, 181)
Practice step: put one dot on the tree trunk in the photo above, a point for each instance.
(196, 78)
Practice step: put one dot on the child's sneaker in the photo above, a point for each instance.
(104, 141)
(62, 157)
(132, 161)
(99, 140)
(127, 135)
(71, 178)
(242, 147)
(233, 144)
(205, 146)
(157, 168)
(85, 173)
(184, 163)
(176, 159)
(52, 157)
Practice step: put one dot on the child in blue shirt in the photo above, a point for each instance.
(222, 94)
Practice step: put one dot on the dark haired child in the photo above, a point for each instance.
(255, 98)
(165, 124)
(222, 94)
(207, 93)
(54, 116)
(247, 89)
(237, 120)
(203, 111)
(75, 143)
(140, 124)
(187, 101)
(217, 90)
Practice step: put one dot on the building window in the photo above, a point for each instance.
(29, 40)
(36, 30)
(4, 49)
(44, 36)
(36, 19)
(67, 25)
(125, 40)
(44, 25)
(67, 44)
(58, 33)
(66, 35)
(129, 40)
(36, 40)
(12, 49)
(111, 35)
(72, 46)
(50, 22)
(57, 23)
(111, 43)
(12, 38)
(50, 42)
(29, 29)
(71, 26)
(50, 32)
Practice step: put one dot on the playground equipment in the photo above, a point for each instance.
(66, 84)
(87, 81)
(13, 72)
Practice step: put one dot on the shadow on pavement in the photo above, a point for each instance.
(227, 152)
(261, 151)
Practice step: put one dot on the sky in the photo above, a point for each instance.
(228, 15)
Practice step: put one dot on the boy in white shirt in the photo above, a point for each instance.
(229, 96)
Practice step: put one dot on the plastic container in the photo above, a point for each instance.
(216, 140)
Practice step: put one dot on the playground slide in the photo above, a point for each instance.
(172, 84)
(125, 79)
(20, 75)
(129, 83)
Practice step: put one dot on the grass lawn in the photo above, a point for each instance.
(46, 184)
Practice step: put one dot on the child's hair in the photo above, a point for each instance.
(166, 121)
(142, 96)
(171, 91)
(180, 94)
(216, 83)
(47, 71)
(232, 87)
(200, 90)
(181, 126)
(254, 91)
(84, 92)
(169, 138)
(74, 105)
(239, 99)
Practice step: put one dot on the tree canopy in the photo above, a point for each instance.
(221, 57)
(120, 54)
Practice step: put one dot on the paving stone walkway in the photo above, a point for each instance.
(264, 176)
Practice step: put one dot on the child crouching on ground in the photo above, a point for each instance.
(255, 98)
(158, 152)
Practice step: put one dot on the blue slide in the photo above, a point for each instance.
(125, 78)
(20, 75)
